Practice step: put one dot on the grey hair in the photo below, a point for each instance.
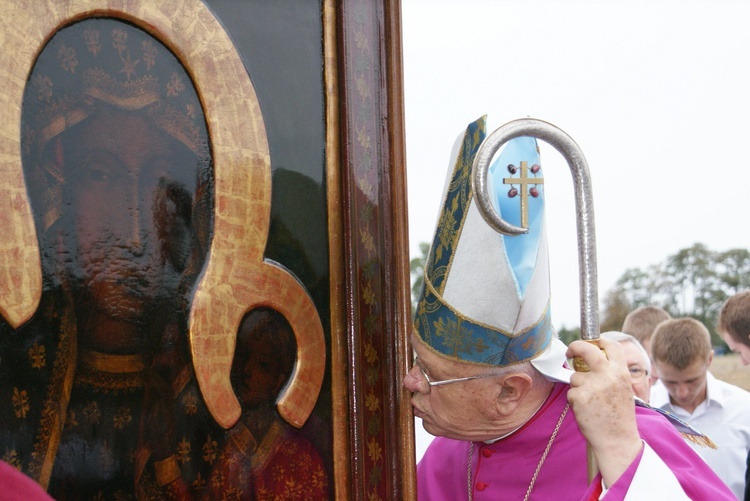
(621, 337)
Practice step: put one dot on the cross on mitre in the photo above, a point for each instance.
(524, 180)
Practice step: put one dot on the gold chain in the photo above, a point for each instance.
(538, 467)
(468, 470)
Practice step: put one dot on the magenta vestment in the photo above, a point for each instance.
(15, 486)
(504, 469)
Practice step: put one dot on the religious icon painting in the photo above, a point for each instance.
(174, 285)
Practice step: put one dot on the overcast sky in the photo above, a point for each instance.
(655, 92)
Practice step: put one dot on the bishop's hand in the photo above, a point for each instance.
(602, 400)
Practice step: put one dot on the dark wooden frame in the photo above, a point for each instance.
(377, 288)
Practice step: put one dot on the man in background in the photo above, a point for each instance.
(733, 326)
(682, 352)
(639, 363)
(640, 323)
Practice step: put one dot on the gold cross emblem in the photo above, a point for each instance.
(524, 180)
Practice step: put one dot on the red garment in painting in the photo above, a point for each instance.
(285, 465)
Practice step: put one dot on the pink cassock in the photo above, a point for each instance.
(15, 486)
(666, 469)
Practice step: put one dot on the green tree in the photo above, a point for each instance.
(694, 282)
(641, 287)
(567, 336)
(694, 275)
(616, 307)
(734, 266)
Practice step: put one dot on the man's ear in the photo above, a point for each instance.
(511, 391)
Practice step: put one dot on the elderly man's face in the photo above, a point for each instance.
(131, 189)
(637, 365)
(461, 410)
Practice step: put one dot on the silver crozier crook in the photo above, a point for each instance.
(584, 218)
(584, 204)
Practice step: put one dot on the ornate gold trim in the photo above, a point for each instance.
(243, 439)
(257, 453)
(167, 470)
(20, 263)
(337, 294)
(105, 362)
(56, 402)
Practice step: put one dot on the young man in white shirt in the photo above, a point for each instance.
(682, 353)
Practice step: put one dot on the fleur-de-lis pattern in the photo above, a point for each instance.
(68, 59)
(183, 451)
(199, 484)
(91, 413)
(175, 85)
(37, 356)
(92, 41)
(11, 457)
(122, 418)
(20, 401)
(190, 403)
(210, 449)
(368, 164)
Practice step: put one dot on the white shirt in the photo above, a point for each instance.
(724, 416)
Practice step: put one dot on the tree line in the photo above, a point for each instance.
(693, 282)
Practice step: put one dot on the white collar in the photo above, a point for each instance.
(552, 362)
(660, 395)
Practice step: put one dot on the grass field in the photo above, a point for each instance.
(729, 368)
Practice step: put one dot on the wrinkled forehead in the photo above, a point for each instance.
(633, 355)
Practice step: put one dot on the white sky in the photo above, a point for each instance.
(655, 92)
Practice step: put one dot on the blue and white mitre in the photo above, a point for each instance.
(486, 296)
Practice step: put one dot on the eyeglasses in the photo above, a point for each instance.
(442, 382)
(637, 372)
